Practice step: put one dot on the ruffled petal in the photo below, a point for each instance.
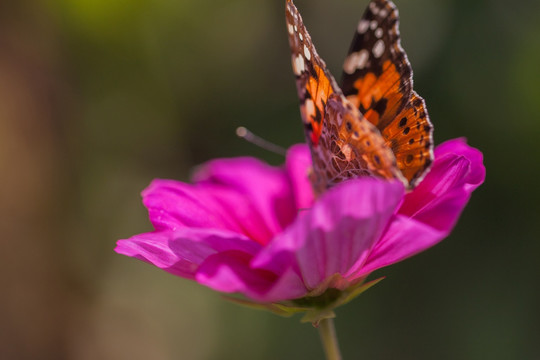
(242, 195)
(336, 234)
(404, 237)
(459, 147)
(231, 271)
(153, 248)
(441, 197)
(298, 165)
(430, 211)
(265, 189)
(181, 252)
(173, 204)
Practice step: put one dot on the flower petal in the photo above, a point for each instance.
(173, 204)
(266, 190)
(182, 251)
(231, 272)
(440, 198)
(242, 195)
(337, 233)
(404, 237)
(153, 249)
(298, 166)
(459, 147)
(430, 211)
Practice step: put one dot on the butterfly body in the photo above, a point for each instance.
(374, 124)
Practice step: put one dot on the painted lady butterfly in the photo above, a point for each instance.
(374, 124)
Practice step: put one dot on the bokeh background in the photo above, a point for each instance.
(97, 97)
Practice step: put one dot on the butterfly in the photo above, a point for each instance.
(374, 124)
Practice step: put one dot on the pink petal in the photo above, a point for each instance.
(336, 234)
(298, 166)
(182, 251)
(173, 204)
(430, 211)
(440, 198)
(242, 195)
(153, 249)
(266, 190)
(231, 272)
(404, 237)
(459, 147)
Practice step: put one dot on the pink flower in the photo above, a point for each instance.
(246, 227)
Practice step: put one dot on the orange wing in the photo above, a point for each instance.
(377, 79)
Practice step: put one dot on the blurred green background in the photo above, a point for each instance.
(98, 97)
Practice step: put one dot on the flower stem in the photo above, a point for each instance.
(329, 339)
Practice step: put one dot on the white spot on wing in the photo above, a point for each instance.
(307, 53)
(374, 8)
(373, 24)
(378, 48)
(363, 26)
(290, 28)
(356, 60)
(301, 36)
(363, 57)
(298, 64)
(310, 106)
(383, 13)
(379, 32)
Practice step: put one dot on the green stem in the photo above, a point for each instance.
(329, 339)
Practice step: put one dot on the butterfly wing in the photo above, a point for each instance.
(343, 143)
(314, 82)
(377, 79)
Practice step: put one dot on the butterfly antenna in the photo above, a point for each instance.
(247, 135)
